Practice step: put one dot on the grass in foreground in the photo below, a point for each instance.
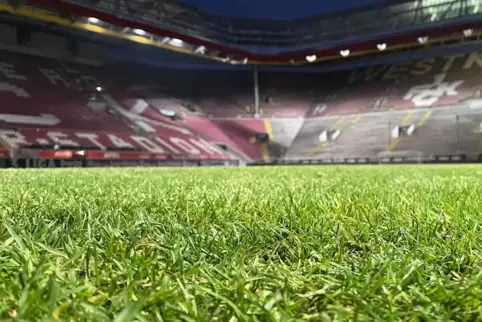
(252, 244)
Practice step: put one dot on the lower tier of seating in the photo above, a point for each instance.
(443, 131)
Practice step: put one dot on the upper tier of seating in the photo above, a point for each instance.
(431, 82)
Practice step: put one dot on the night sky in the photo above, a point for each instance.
(276, 9)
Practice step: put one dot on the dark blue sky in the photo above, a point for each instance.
(276, 9)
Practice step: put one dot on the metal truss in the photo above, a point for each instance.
(317, 31)
(309, 31)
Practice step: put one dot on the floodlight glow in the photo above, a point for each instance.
(139, 32)
(382, 47)
(311, 58)
(422, 40)
(93, 20)
(176, 42)
(468, 32)
(345, 52)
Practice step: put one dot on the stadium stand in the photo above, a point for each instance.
(446, 132)
(184, 115)
(426, 107)
(30, 86)
(439, 97)
(211, 132)
(430, 82)
(47, 104)
(243, 134)
(431, 132)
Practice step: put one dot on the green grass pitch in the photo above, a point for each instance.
(357, 243)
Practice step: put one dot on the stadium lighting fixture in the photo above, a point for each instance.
(468, 32)
(93, 20)
(382, 47)
(139, 32)
(422, 40)
(311, 58)
(345, 52)
(176, 42)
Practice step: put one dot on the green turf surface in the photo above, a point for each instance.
(242, 244)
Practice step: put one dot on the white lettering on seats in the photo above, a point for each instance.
(53, 76)
(367, 74)
(8, 70)
(9, 88)
(118, 142)
(185, 146)
(450, 61)
(42, 119)
(474, 58)
(61, 139)
(428, 94)
(205, 146)
(13, 138)
(420, 67)
(92, 138)
(167, 145)
(397, 70)
(423, 66)
(147, 144)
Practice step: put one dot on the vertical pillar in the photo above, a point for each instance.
(256, 91)
(457, 132)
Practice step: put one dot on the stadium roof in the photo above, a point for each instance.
(277, 9)
(354, 32)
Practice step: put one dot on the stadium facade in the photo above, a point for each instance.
(401, 89)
